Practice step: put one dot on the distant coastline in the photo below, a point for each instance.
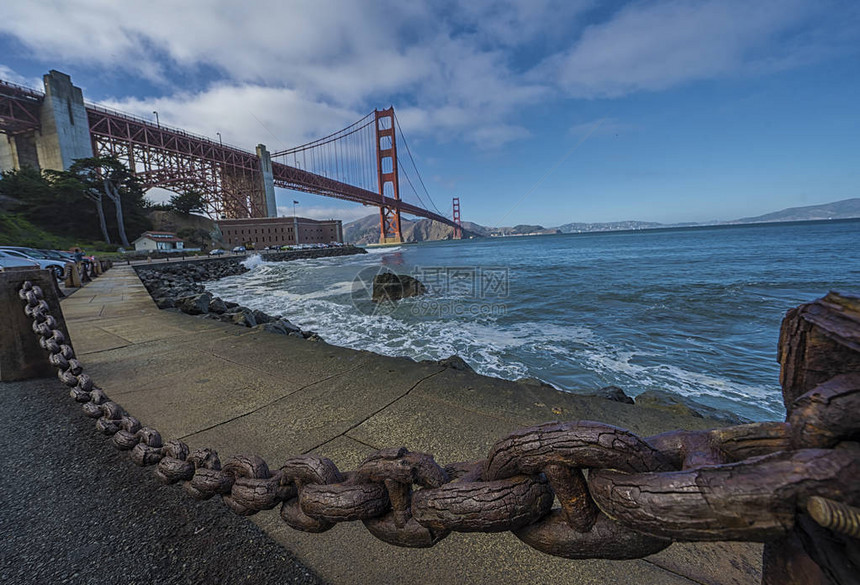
(366, 230)
(689, 227)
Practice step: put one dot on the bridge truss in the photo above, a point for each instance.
(358, 163)
(19, 109)
(229, 179)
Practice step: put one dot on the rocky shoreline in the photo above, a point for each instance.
(180, 286)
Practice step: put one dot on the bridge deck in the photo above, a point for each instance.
(219, 385)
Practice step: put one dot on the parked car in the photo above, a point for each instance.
(239, 249)
(7, 260)
(42, 260)
(217, 252)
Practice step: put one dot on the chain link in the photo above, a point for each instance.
(620, 496)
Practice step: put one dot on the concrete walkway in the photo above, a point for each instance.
(238, 391)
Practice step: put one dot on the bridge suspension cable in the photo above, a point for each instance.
(348, 155)
(414, 166)
(362, 160)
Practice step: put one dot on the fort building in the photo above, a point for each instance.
(280, 231)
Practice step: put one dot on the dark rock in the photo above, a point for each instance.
(288, 325)
(217, 306)
(534, 382)
(613, 393)
(261, 317)
(231, 305)
(392, 287)
(194, 304)
(165, 303)
(455, 362)
(273, 327)
(681, 405)
(244, 317)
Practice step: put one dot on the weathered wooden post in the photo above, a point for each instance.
(819, 356)
(21, 357)
(73, 275)
(85, 276)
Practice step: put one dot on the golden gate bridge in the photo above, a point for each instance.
(360, 163)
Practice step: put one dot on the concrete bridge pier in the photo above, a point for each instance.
(268, 180)
(63, 134)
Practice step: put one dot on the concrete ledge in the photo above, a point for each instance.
(221, 386)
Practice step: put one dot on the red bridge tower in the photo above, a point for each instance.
(386, 167)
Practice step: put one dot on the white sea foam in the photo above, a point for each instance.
(252, 262)
(382, 249)
(316, 295)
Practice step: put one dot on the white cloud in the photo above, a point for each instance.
(458, 70)
(245, 115)
(336, 55)
(346, 214)
(8, 74)
(650, 46)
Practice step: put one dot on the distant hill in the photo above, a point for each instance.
(521, 230)
(196, 229)
(846, 209)
(575, 228)
(366, 230)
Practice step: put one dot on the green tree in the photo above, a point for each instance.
(188, 202)
(195, 236)
(107, 177)
(49, 201)
(61, 202)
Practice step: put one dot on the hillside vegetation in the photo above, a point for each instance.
(196, 230)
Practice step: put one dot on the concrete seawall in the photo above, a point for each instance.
(238, 391)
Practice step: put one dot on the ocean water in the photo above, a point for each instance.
(692, 311)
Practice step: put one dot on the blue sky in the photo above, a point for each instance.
(540, 111)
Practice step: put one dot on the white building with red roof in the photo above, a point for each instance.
(159, 241)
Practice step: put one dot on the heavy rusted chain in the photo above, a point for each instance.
(619, 496)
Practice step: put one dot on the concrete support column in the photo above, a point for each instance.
(340, 231)
(7, 154)
(18, 151)
(296, 228)
(65, 135)
(268, 180)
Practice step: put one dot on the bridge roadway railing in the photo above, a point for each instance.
(284, 175)
(162, 127)
(620, 496)
(19, 108)
(116, 127)
(298, 179)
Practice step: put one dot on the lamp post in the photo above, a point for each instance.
(157, 122)
(219, 139)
